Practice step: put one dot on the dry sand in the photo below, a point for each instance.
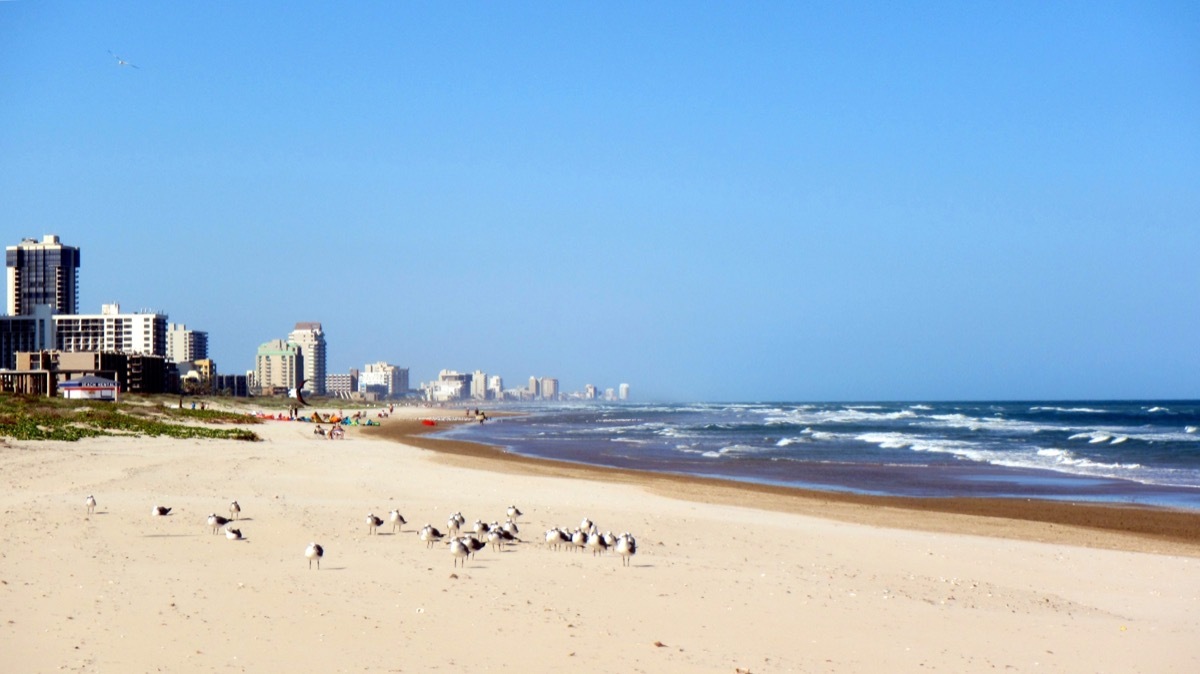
(725, 578)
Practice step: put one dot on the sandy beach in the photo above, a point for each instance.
(726, 578)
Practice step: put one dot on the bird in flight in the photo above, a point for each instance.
(121, 61)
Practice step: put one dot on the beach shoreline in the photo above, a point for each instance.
(724, 580)
(1111, 526)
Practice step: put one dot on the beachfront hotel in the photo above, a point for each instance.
(112, 331)
(44, 272)
(310, 337)
(278, 366)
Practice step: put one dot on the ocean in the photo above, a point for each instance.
(1141, 452)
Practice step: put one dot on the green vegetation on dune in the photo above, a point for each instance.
(33, 418)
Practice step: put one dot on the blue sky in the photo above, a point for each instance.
(709, 201)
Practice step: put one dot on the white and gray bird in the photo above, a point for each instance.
(160, 511)
(597, 543)
(215, 522)
(430, 535)
(626, 547)
(514, 512)
(556, 537)
(121, 61)
(233, 534)
(314, 552)
(373, 523)
(234, 510)
(459, 549)
(90, 502)
(397, 521)
(511, 527)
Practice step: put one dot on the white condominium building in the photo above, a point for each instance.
(112, 331)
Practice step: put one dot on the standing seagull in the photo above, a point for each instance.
(459, 549)
(626, 547)
(397, 520)
(373, 523)
(90, 502)
(234, 510)
(121, 61)
(314, 551)
(514, 512)
(216, 522)
(430, 535)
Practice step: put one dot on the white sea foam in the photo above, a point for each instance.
(1191, 429)
(787, 442)
(1079, 410)
(1153, 410)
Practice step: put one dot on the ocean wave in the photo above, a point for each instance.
(1073, 410)
(788, 442)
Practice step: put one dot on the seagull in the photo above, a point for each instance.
(397, 520)
(597, 543)
(233, 534)
(430, 535)
(160, 511)
(373, 523)
(121, 61)
(90, 502)
(511, 527)
(626, 547)
(314, 551)
(474, 544)
(556, 537)
(234, 510)
(514, 512)
(216, 522)
(459, 549)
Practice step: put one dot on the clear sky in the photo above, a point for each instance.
(709, 201)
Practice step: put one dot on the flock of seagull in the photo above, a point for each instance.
(462, 546)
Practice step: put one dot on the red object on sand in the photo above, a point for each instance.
(429, 422)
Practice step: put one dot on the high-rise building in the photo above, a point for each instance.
(589, 392)
(111, 331)
(549, 388)
(479, 387)
(496, 387)
(624, 391)
(185, 345)
(44, 272)
(535, 387)
(311, 339)
(383, 379)
(278, 365)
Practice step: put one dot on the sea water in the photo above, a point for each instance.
(1145, 452)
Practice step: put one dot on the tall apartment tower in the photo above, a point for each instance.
(535, 387)
(624, 391)
(44, 272)
(111, 331)
(278, 364)
(186, 345)
(311, 340)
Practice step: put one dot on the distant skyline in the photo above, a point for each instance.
(774, 201)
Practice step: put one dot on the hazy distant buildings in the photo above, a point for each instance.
(549, 388)
(44, 272)
(311, 339)
(185, 345)
(495, 387)
(278, 366)
(387, 381)
(479, 385)
(112, 331)
(341, 385)
(535, 387)
(623, 391)
(589, 392)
